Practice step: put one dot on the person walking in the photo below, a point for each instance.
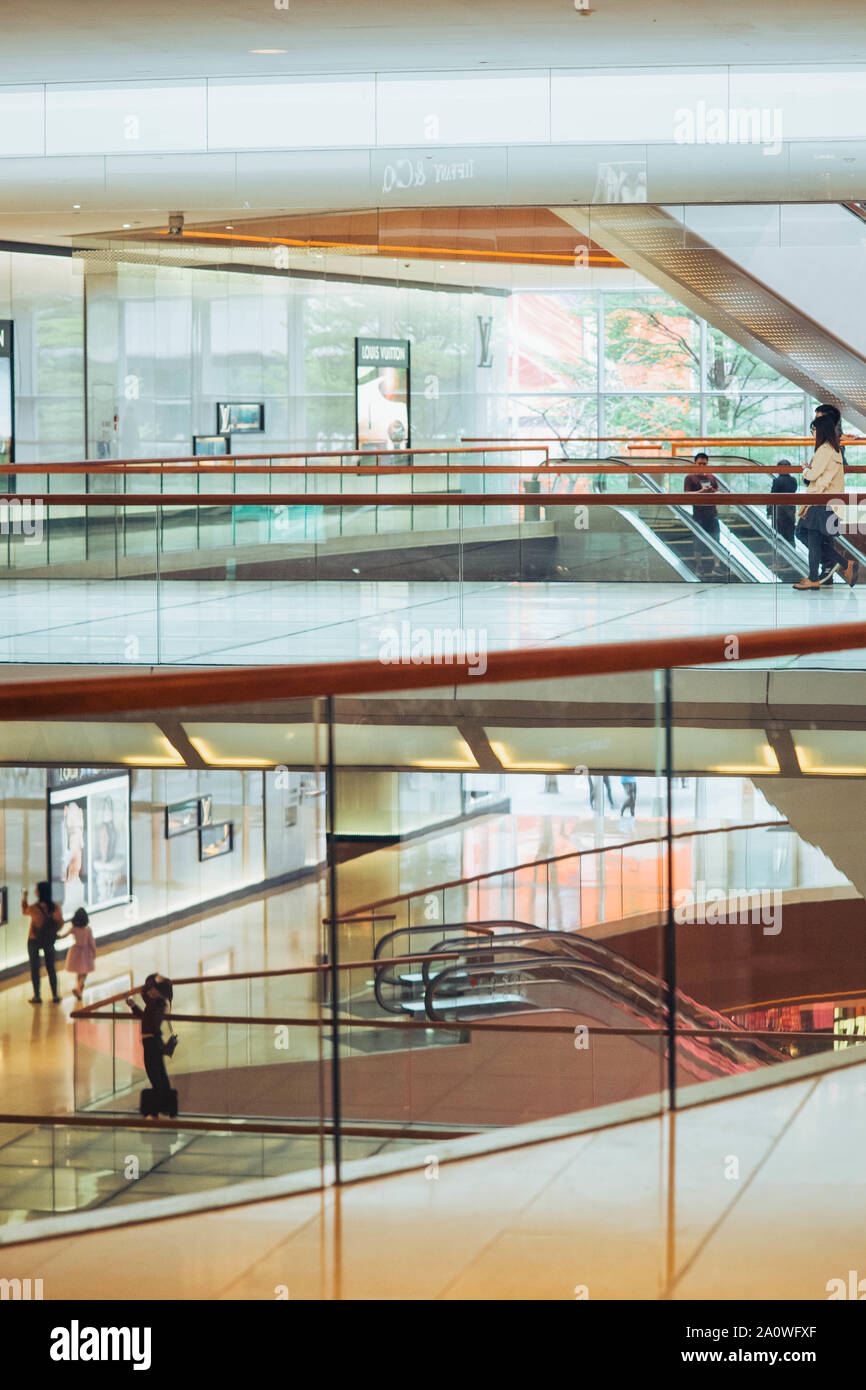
(81, 956)
(629, 786)
(784, 519)
(607, 790)
(818, 524)
(46, 919)
(157, 993)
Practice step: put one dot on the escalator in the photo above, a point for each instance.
(472, 972)
(786, 563)
(753, 550)
(789, 562)
(696, 556)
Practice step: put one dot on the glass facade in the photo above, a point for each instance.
(165, 344)
(661, 369)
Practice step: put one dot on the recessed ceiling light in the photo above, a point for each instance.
(267, 50)
(126, 226)
(229, 227)
(76, 207)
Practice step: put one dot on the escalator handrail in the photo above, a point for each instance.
(720, 551)
(733, 1046)
(381, 965)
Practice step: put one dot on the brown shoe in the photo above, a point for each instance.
(851, 573)
(807, 584)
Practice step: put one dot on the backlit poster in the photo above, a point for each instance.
(89, 844)
(7, 397)
(382, 393)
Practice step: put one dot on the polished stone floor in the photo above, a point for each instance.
(758, 1197)
(224, 622)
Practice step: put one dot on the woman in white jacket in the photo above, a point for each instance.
(818, 524)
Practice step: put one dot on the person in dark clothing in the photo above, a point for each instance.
(46, 920)
(629, 786)
(702, 480)
(157, 994)
(784, 519)
(606, 783)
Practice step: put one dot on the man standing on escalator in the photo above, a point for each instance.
(702, 480)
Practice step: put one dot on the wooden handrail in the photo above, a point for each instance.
(74, 1120)
(681, 440)
(174, 690)
(557, 859)
(210, 461)
(550, 467)
(88, 1010)
(335, 500)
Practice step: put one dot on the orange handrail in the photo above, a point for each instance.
(191, 689)
(348, 918)
(436, 499)
(209, 461)
(172, 468)
(683, 440)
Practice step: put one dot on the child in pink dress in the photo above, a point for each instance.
(81, 956)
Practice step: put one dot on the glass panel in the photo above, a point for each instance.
(515, 915)
(767, 888)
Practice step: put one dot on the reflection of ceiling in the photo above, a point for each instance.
(488, 739)
(101, 39)
(478, 236)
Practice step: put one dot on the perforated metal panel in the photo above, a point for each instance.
(654, 243)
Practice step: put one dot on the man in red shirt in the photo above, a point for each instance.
(702, 480)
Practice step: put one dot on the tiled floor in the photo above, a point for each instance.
(247, 622)
(759, 1197)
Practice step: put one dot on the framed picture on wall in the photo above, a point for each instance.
(182, 817)
(210, 444)
(215, 840)
(89, 840)
(245, 417)
(4, 906)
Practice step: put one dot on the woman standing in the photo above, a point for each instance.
(818, 524)
(46, 919)
(81, 957)
(157, 994)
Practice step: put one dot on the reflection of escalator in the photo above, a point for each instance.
(508, 968)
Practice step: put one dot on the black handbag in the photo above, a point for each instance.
(169, 1048)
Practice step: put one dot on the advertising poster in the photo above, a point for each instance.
(382, 393)
(240, 417)
(215, 840)
(209, 445)
(7, 396)
(89, 844)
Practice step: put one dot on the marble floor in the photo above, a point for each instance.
(223, 622)
(758, 1197)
